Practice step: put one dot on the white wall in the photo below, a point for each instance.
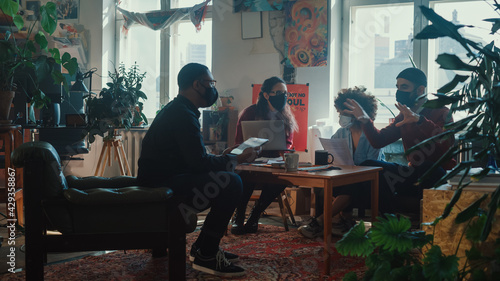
(238, 63)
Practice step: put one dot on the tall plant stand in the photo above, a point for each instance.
(115, 144)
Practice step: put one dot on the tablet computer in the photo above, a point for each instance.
(251, 142)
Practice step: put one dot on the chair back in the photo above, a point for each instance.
(54, 182)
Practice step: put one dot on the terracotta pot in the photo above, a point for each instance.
(6, 98)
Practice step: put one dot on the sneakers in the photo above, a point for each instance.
(216, 265)
(342, 227)
(229, 256)
(311, 230)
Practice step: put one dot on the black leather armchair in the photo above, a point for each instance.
(95, 213)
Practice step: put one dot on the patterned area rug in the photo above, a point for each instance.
(271, 254)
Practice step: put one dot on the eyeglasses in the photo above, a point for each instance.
(278, 93)
(212, 83)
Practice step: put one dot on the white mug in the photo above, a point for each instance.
(291, 162)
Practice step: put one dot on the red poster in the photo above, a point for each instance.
(299, 103)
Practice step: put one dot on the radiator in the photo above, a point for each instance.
(132, 144)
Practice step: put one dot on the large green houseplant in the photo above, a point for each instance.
(390, 244)
(19, 55)
(118, 105)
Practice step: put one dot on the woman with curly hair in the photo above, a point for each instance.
(271, 105)
(360, 149)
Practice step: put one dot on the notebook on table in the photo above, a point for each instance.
(273, 130)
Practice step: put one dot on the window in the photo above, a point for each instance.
(379, 48)
(162, 53)
(380, 42)
(188, 46)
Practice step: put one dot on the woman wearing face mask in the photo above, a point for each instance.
(271, 105)
(361, 150)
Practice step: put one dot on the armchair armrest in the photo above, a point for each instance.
(124, 195)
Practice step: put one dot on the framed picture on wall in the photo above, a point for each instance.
(251, 25)
(66, 9)
(32, 10)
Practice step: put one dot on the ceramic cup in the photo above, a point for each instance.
(322, 157)
(291, 162)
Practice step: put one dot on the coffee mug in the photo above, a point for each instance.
(291, 162)
(321, 157)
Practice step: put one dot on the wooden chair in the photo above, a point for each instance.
(284, 208)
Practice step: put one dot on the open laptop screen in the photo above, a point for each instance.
(274, 130)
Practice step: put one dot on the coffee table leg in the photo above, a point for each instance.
(327, 226)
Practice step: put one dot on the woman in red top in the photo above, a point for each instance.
(271, 105)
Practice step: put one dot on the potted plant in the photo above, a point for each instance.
(20, 55)
(395, 252)
(115, 106)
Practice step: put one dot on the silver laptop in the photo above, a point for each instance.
(274, 130)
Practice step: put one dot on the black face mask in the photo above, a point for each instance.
(278, 101)
(211, 95)
(407, 98)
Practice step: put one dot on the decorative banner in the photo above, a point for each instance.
(157, 20)
(257, 5)
(299, 103)
(306, 33)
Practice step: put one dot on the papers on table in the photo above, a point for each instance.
(339, 149)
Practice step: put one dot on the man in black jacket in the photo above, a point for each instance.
(173, 154)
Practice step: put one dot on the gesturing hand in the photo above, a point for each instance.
(356, 110)
(408, 115)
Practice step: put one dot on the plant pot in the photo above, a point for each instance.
(6, 98)
(226, 101)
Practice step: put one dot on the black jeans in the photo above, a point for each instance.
(219, 191)
(398, 180)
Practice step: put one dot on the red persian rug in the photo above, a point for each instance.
(271, 254)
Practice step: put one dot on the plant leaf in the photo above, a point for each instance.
(492, 209)
(430, 32)
(451, 85)
(18, 21)
(41, 40)
(475, 228)
(390, 233)
(441, 101)
(48, 15)
(452, 62)
(471, 211)
(355, 242)
(71, 66)
(438, 266)
(10, 8)
(495, 26)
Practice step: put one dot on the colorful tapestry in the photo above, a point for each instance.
(157, 20)
(257, 5)
(299, 103)
(306, 33)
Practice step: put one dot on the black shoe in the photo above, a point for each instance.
(229, 256)
(251, 227)
(217, 265)
(237, 229)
